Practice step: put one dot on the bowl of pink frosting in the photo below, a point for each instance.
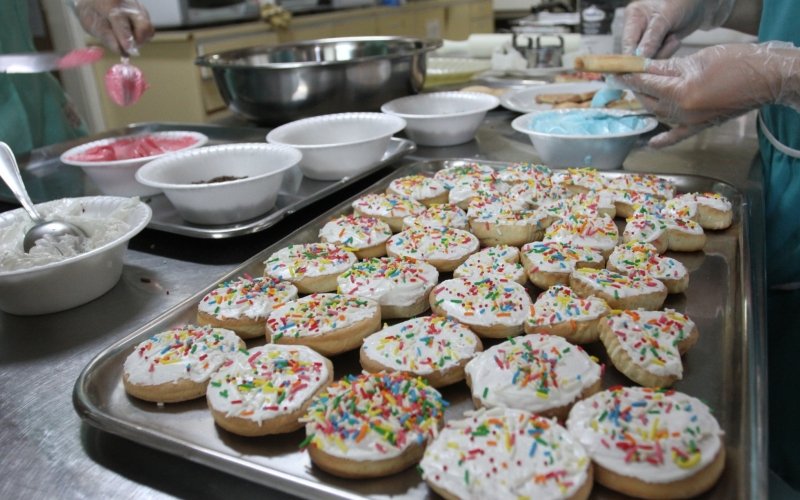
(111, 163)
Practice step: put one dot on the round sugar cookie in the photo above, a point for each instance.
(650, 443)
(506, 453)
(373, 424)
(550, 263)
(175, 365)
(620, 291)
(267, 389)
(543, 374)
(500, 261)
(560, 311)
(449, 176)
(243, 304)
(364, 236)
(491, 307)
(502, 224)
(432, 347)
(400, 285)
(523, 172)
(329, 323)
(598, 233)
(311, 267)
(426, 190)
(390, 208)
(444, 249)
(439, 217)
(635, 256)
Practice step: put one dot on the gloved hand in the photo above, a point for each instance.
(716, 84)
(654, 28)
(122, 25)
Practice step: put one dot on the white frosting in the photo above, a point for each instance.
(522, 172)
(422, 345)
(249, 298)
(308, 260)
(638, 256)
(496, 262)
(391, 281)
(267, 381)
(466, 188)
(374, 416)
(506, 453)
(715, 201)
(319, 314)
(533, 372)
(433, 244)
(355, 232)
(449, 176)
(559, 304)
(650, 338)
(593, 232)
(616, 284)
(438, 216)
(387, 205)
(681, 207)
(585, 178)
(554, 257)
(684, 226)
(487, 302)
(185, 353)
(645, 228)
(530, 192)
(417, 187)
(653, 435)
(494, 202)
(643, 183)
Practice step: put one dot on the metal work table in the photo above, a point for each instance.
(49, 453)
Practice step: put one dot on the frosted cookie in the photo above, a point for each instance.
(530, 193)
(438, 216)
(243, 304)
(710, 210)
(493, 308)
(311, 267)
(549, 263)
(636, 256)
(542, 374)
(426, 190)
(523, 172)
(507, 453)
(267, 389)
(646, 346)
(432, 347)
(650, 443)
(364, 236)
(466, 189)
(400, 285)
(580, 180)
(329, 323)
(627, 203)
(620, 291)
(373, 424)
(390, 208)
(444, 249)
(560, 311)
(496, 262)
(679, 235)
(685, 235)
(646, 184)
(175, 365)
(502, 225)
(598, 233)
(449, 176)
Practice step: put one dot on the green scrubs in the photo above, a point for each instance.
(782, 198)
(34, 111)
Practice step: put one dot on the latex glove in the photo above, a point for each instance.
(716, 84)
(122, 25)
(654, 28)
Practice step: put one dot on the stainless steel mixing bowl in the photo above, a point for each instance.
(281, 83)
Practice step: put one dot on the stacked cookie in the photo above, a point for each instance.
(518, 269)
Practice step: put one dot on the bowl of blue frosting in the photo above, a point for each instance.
(597, 138)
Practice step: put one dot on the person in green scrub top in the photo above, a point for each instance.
(709, 87)
(34, 110)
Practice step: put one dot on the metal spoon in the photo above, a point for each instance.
(9, 172)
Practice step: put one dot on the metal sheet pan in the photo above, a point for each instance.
(723, 369)
(47, 179)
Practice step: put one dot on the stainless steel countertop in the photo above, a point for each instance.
(49, 453)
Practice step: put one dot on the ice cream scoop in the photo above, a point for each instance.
(125, 83)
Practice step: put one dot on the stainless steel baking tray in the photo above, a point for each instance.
(47, 179)
(725, 369)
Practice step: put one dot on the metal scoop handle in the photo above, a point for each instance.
(9, 172)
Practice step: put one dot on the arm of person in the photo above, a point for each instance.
(745, 16)
(122, 25)
(716, 84)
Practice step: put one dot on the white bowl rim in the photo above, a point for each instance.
(650, 123)
(397, 122)
(143, 210)
(201, 139)
(490, 102)
(219, 148)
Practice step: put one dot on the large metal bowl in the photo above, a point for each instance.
(277, 84)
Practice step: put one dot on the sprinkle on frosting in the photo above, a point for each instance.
(433, 244)
(488, 301)
(354, 232)
(592, 232)
(392, 281)
(417, 187)
(495, 262)
(439, 216)
(636, 256)
(318, 314)
(374, 416)
(387, 205)
(522, 172)
(618, 285)
(247, 296)
(560, 304)
(552, 256)
(449, 176)
(311, 259)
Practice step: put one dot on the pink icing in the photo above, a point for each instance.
(79, 57)
(141, 146)
(125, 83)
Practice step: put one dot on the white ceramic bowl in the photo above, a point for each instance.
(68, 283)
(442, 118)
(117, 177)
(338, 145)
(184, 177)
(603, 152)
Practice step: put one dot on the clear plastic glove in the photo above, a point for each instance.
(122, 25)
(654, 28)
(716, 84)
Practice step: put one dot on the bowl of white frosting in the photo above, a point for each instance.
(597, 138)
(58, 274)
